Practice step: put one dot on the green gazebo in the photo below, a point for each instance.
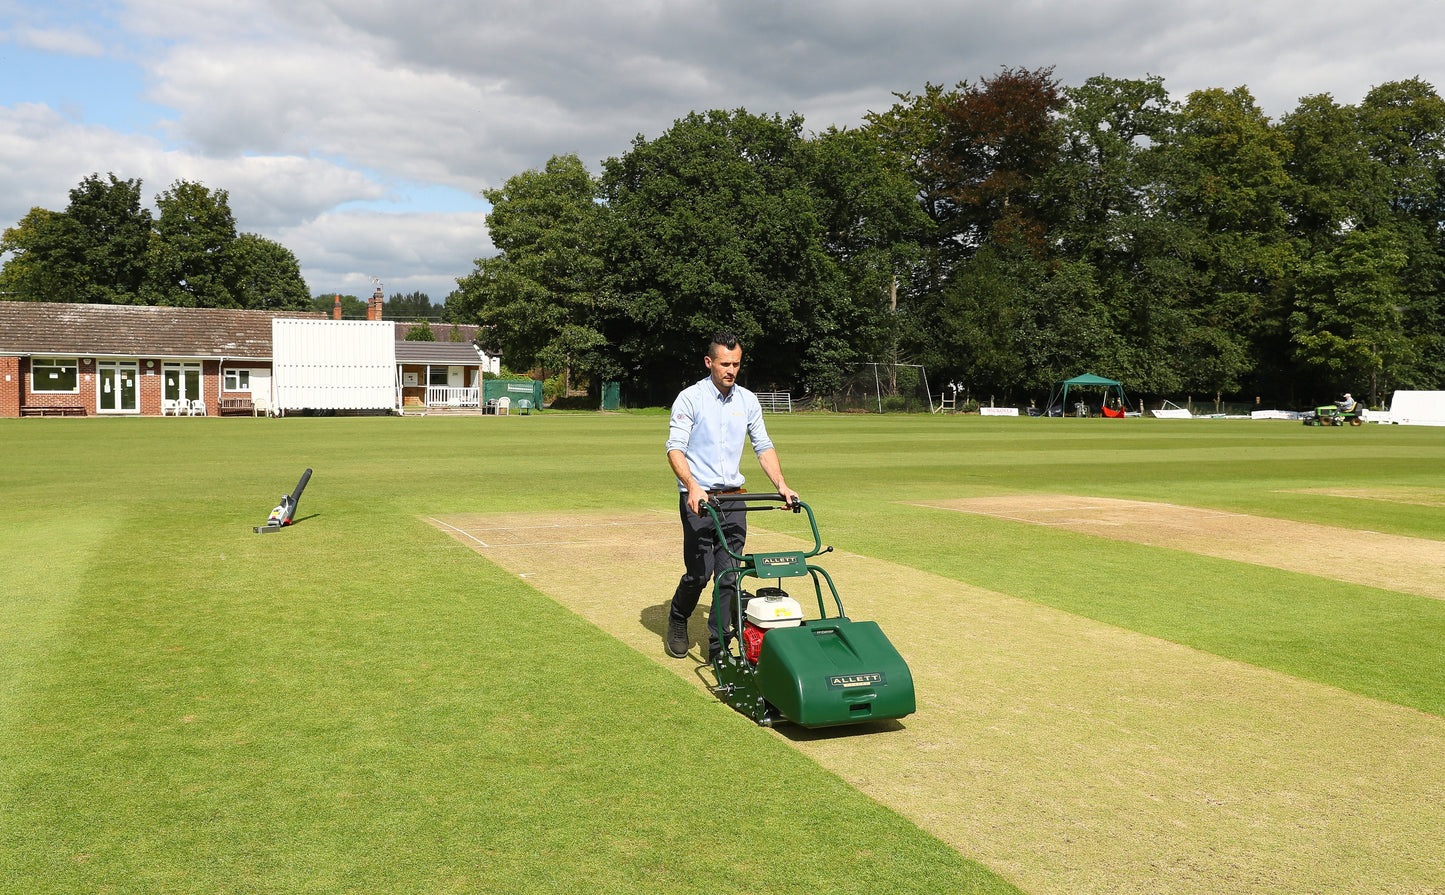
(1089, 381)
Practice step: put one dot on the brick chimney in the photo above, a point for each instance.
(336, 309)
(373, 308)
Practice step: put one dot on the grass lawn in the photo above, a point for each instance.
(358, 704)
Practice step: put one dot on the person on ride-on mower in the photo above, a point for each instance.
(704, 448)
(1346, 404)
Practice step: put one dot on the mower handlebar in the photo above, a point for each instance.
(763, 496)
(717, 504)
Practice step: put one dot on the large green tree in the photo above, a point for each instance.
(1335, 185)
(45, 258)
(1403, 126)
(191, 262)
(115, 231)
(94, 252)
(911, 136)
(1346, 322)
(1225, 186)
(722, 222)
(872, 228)
(540, 294)
(1106, 222)
(267, 276)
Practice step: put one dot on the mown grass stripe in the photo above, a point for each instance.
(1145, 766)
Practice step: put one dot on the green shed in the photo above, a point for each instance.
(515, 389)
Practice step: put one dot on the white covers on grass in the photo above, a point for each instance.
(1171, 411)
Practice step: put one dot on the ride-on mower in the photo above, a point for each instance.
(1332, 415)
(779, 666)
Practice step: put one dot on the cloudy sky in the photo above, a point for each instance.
(359, 133)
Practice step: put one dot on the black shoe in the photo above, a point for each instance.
(677, 640)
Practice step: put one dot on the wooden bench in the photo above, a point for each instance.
(57, 410)
(237, 406)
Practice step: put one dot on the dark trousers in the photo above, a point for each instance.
(703, 556)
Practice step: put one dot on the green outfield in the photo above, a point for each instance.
(363, 704)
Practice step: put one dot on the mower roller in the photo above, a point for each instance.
(819, 672)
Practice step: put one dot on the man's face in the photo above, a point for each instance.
(722, 365)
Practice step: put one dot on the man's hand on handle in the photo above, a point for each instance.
(696, 497)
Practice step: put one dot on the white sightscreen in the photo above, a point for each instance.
(333, 364)
(1418, 408)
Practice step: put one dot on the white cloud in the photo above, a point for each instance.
(467, 94)
(265, 191)
(54, 154)
(63, 41)
(274, 191)
(418, 125)
(408, 252)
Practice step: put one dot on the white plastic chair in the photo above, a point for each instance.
(504, 405)
(196, 408)
(171, 407)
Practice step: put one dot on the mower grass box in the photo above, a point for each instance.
(834, 671)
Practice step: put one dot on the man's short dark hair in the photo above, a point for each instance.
(721, 339)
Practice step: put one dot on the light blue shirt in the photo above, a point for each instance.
(708, 427)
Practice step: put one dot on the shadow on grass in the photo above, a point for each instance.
(654, 618)
(270, 529)
(815, 734)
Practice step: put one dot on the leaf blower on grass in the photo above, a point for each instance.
(285, 512)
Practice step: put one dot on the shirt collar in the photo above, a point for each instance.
(717, 392)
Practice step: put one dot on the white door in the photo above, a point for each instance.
(261, 388)
(181, 381)
(117, 387)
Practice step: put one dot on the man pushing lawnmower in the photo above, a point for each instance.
(771, 663)
(710, 420)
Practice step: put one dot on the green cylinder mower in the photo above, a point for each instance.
(780, 666)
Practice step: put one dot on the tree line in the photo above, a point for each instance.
(408, 306)
(107, 248)
(1006, 234)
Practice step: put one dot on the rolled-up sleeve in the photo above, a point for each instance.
(679, 426)
(757, 431)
